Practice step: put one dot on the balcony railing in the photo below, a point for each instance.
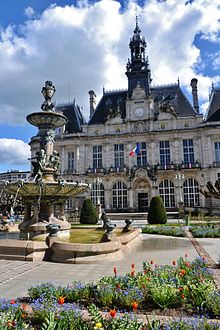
(151, 169)
(72, 171)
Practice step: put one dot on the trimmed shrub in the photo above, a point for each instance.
(88, 213)
(157, 212)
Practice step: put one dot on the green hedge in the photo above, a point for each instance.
(157, 212)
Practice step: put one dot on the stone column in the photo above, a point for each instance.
(27, 212)
(35, 212)
(62, 211)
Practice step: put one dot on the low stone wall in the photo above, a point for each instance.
(23, 250)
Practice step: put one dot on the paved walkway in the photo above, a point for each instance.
(17, 276)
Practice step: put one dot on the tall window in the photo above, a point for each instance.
(119, 155)
(217, 151)
(167, 193)
(188, 152)
(97, 156)
(98, 194)
(119, 192)
(70, 161)
(69, 203)
(191, 193)
(164, 152)
(142, 156)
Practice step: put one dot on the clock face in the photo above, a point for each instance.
(139, 112)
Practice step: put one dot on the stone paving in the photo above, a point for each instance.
(17, 276)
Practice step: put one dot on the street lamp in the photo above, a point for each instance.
(179, 178)
(97, 181)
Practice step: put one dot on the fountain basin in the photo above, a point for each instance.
(59, 251)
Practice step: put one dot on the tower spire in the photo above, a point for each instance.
(137, 66)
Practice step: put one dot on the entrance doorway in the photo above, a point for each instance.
(142, 202)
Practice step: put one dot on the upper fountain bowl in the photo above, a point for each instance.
(47, 119)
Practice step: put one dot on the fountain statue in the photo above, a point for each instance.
(45, 195)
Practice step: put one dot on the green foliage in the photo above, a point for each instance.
(88, 213)
(213, 303)
(157, 212)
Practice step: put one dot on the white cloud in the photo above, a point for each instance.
(86, 47)
(14, 151)
(29, 12)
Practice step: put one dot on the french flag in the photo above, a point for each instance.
(134, 151)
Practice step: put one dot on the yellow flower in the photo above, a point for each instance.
(98, 326)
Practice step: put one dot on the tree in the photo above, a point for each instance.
(157, 212)
(88, 213)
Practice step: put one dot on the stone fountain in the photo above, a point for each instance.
(45, 195)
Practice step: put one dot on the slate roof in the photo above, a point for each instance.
(213, 112)
(74, 115)
(114, 101)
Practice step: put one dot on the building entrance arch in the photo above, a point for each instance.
(141, 194)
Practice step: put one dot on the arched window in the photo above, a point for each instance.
(98, 194)
(167, 193)
(191, 192)
(119, 194)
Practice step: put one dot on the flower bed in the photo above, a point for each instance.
(113, 303)
(205, 231)
(164, 230)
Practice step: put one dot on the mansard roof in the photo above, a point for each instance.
(74, 115)
(213, 112)
(110, 103)
(114, 102)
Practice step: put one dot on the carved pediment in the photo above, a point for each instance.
(138, 93)
(141, 173)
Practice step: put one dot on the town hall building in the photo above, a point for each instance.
(143, 141)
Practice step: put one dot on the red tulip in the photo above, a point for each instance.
(134, 305)
(112, 312)
(61, 300)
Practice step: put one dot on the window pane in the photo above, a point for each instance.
(188, 152)
(167, 193)
(119, 191)
(98, 194)
(142, 156)
(97, 156)
(119, 155)
(164, 152)
(191, 193)
(70, 161)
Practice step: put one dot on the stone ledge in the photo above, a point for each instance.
(22, 250)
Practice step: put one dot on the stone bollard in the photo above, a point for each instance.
(53, 230)
(109, 234)
(128, 226)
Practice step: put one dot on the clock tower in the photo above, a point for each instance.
(138, 71)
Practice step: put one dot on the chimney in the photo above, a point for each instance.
(193, 84)
(92, 102)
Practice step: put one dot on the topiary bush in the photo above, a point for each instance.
(157, 212)
(88, 213)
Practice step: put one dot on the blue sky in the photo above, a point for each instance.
(83, 45)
